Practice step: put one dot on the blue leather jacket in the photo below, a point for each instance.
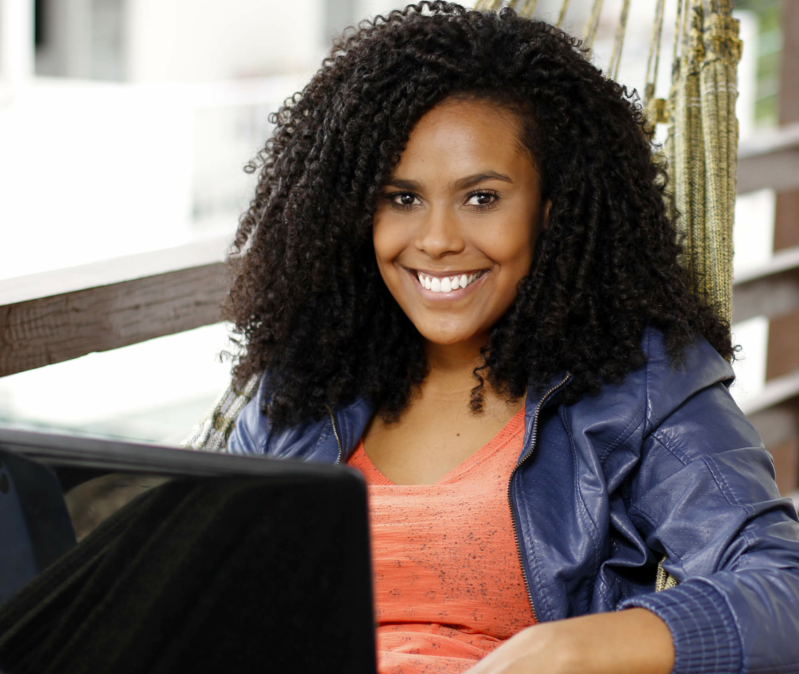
(663, 464)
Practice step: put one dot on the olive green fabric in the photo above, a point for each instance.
(212, 432)
(703, 146)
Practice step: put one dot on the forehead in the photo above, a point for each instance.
(459, 136)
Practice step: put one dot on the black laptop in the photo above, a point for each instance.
(233, 562)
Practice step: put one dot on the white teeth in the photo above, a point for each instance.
(448, 283)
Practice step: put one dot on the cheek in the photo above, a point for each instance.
(388, 241)
(511, 247)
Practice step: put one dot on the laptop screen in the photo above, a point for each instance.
(266, 542)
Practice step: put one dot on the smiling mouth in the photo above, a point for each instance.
(446, 284)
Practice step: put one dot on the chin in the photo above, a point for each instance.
(447, 337)
(445, 340)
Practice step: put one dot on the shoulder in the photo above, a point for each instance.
(321, 440)
(689, 428)
(621, 415)
(255, 434)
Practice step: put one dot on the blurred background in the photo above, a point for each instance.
(124, 129)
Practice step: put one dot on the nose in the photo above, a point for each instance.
(440, 233)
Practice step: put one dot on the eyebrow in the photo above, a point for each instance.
(461, 184)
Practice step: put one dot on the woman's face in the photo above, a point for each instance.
(457, 221)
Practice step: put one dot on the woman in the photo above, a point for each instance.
(460, 277)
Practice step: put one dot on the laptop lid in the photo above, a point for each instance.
(344, 490)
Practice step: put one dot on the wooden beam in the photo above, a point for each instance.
(783, 345)
(770, 160)
(789, 63)
(786, 217)
(770, 290)
(775, 392)
(776, 424)
(52, 329)
(786, 220)
(770, 297)
(782, 350)
(779, 428)
(55, 327)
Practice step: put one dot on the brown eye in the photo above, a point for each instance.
(481, 199)
(405, 199)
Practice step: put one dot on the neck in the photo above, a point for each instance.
(451, 367)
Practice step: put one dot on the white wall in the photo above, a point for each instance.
(94, 170)
(91, 171)
(209, 40)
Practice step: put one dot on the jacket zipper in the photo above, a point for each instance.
(338, 438)
(515, 515)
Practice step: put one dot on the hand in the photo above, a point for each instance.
(547, 648)
(633, 641)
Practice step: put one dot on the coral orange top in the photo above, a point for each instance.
(448, 581)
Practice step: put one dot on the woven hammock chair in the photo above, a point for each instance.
(701, 149)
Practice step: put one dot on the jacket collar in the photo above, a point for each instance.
(537, 399)
(351, 420)
(703, 365)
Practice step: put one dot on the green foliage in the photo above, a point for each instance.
(769, 15)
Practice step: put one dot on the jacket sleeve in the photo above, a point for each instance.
(704, 496)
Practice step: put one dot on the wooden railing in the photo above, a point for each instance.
(56, 316)
(770, 161)
(772, 291)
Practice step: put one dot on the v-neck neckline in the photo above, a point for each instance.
(507, 433)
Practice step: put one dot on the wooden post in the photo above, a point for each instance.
(783, 342)
(786, 224)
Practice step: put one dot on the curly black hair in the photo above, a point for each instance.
(307, 299)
